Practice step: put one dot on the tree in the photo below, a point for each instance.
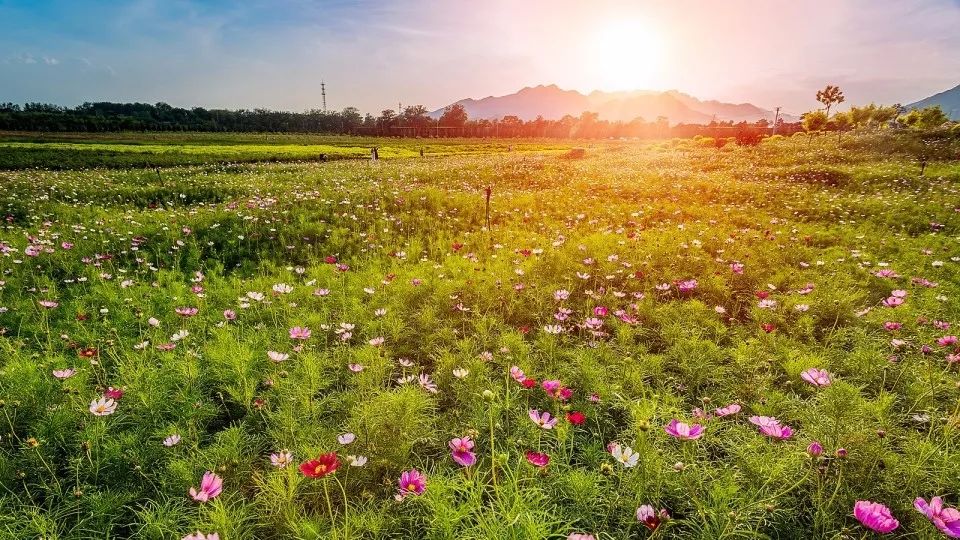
(925, 118)
(454, 116)
(829, 96)
(814, 121)
(840, 122)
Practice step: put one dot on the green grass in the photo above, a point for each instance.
(609, 228)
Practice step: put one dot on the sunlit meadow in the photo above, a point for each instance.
(662, 339)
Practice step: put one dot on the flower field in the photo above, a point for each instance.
(663, 340)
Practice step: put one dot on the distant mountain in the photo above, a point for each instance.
(553, 103)
(948, 100)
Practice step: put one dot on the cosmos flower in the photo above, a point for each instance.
(945, 519)
(771, 427)
(411, 482)
(210, 487)
(875, 516)
(103, 406)
(300, 332)
(64, 373)
(624, 455)
(650, 518)
(537, 459)
(733, 408)
(542, 419)
(461, 451)
(172, 440)
(682, 431)
(321, 466)
(816, 377)
(281, 459)
(346, 438)
(201, 536)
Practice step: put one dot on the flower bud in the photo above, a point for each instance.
(815, 449)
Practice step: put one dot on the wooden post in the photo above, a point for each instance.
(488, 190)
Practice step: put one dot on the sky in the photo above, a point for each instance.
(375, 54)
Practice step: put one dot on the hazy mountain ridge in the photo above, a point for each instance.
(948, 100)
(553, 103)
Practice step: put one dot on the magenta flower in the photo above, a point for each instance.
(411, 482)
(210, 487)
(816, 377)
(771, 427)
(300, 332)
(875, 516)
(946, 519)
(815, 449)
(682, 431)
(542, 419)
(537, 459)
(650, 518)
(461, 451)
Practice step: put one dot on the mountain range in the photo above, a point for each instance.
(552, 103)
(948, 100)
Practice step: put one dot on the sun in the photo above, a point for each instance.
(625, 55)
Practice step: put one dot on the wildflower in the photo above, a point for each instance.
(733, 408)
(186, 311)
(682, 431)
(625, 455)
(537, 459)
(411, 482)
(172, 440)
(318, 468)
(650, 518)
(113, 393)
(576, 417)
(64, 373)
(771, 427)
(277, 356)
(945, 519)
(300, 332)
(580, 536)
(815, 449)
(346, 438)
(281, 459)
(543, 419)
(229, 314)
(103, 406)
(460, 373)
(210, 487)
(875, 516)
(461, 451)
(356, 461)
(49, 304)
(427, 383)
(517, 374)
(200, 536)
(816, 377)
(736, 268)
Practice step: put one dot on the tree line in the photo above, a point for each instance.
(412, 121)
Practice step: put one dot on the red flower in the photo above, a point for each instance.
(113, 393)
(576, 417)
(529, 383)
(768, 327)
(318, 468)
(457, 246)
(330, 259)
(762, 294)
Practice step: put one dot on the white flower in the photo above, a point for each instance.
(625, 455)
(346, 438)
(356, 461)
(103, 406)
(460, 372)
(277, 356)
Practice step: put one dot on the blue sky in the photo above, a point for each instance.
(375, 54)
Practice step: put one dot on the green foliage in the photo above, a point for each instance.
(413, 336)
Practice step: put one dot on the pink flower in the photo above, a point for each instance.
(537, 459)
(650, 518)
(682, 431)
(946, 519)
(300, 332)
(543, 419)
(736, 268)
(875, 516)
(411, 482)
(460, 451)
(580, 536)
(229, 314)
(947, 341)
(64, 373)
(210, 487)
(733, 408)
(816, 377)
(200, 536)
(186, 311)
(815, 449)
(771, 427)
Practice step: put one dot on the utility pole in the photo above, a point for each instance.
(776, 118)
(323, 93)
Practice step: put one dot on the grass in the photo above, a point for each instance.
(428, 290)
